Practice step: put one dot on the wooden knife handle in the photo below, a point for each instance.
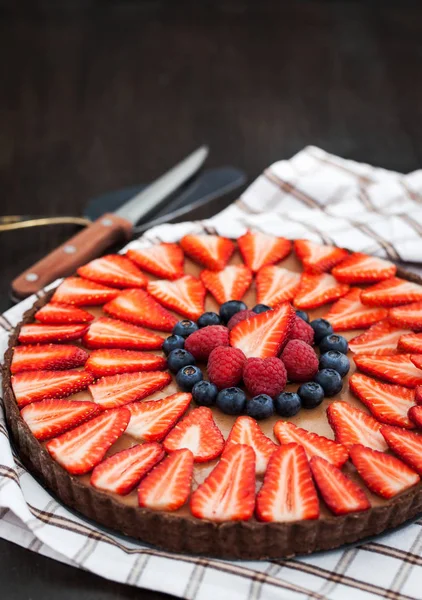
(64, 260)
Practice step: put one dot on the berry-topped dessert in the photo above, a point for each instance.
(240, 398)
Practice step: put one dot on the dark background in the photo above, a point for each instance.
(100, 95)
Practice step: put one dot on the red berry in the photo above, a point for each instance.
(265, 376)
(418, 394)
(240, 316)
(225, 366)
(302, 331)
(300, 360)
(203, 341)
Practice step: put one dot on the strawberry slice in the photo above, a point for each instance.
(122, 471)
(198, 432)
(111, 333)
(260, 249)
(385, 475)
(287, 493)
(340, 494)
(353, 426)
(416, 360)
(47, 357)
(229, 284)
(162, 260)
(318, 258)
(392, 292)
(228, 493)
(78, 291)
(395, 369)
(81, 449)
(407, 316)
(32, 386)
(406, 444)
(49, 418)
(151, 421)
(113, 270)
(410, 342)
(212, 251)
(185, 295)
(415, 415)
(138, 307)
(113, 361)
(362, 268)
(116, 390)
(264, 335)
(62, 314)
(350, 313)
(380, 338)
(247, 431)
(34, 333)
(318, 289)
(168, 485)
(388, 403)
(275, 285)
(313, 444)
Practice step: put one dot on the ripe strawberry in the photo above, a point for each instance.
(151, 421)
(168, 485)
(240, 316)
(380, 338)
(263, 335)
(275, 285)
(388, 403)
(186, 295)
(313, 444)
(409, 316)
(415, 415)
(318, 258)
(318, 289)
(229, 284)
(122, 471)
(81, 449)
(32, 386)
(301, 331)
(300, 361)
(62, 314)
(264, 376)
(162, 260)
(49, 418)
(111, 333)
(395, 369)
(225, 366)
(247, 431)
(115, 271)
(211, 251)
(362, 268)
(113, 361)
(385, 475)
(287, 493)
(410, 342)
(198, 432)
(78, 291)
(416, 360)
(353, 426)
(260, 249)
(138, 307)
(202, 342)
(418, 394)
(406, 444)
(340, 494)
(228, 493)
(116, 390)
(34, 333)
(45, 357)
(350, 313)
(392, 292)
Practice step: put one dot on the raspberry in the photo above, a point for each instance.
(225, 366)
(300, 360)
(265, 376)
(302, 331)
(240, 316)
(200, 343)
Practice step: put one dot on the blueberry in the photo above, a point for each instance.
(209, 318)
(335, 360)
(260, 407)
(185, 328)
(204, 393)
(334, 342)
(330, 381)
(311, 394)
(173, 342)
(231, 401)
(303, 315)
(287, 404)
(187, 377)
(179, 358)
(230, 308)
(260, 308)
(321, 328)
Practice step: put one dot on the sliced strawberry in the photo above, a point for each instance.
(415, 415)
(418, 394)
(318, 258)
(350, 313)
(362, 268)
(138, 307)
(316, 290)
(260, 249)
(380, 338)
(388, 403)
(228, 493)
(49, 418)
(247, 431)
(340, 494)
(122, 471)
(113, 361)
(392, 292)
(34, 333)
(229, 284)
(409, 316)
(168, 485)
(32, 386)
(116, 390)
(81, 449)
(113, 270)
(353, 426)
(406, 444)
(186, 295)
(47, 357)
(264, 335)
(313, 444)
(275, 285)
(198, 432)
(385, 475)
(78, 291)
(416, 360)
(162, 260)
(211, 251)
(395, 369)
(410, 342)
(287, 493)
(111, 333)
(62, 314)
(151, 421)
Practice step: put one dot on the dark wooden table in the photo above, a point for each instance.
(96, 96)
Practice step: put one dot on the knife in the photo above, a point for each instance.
(107, 230)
